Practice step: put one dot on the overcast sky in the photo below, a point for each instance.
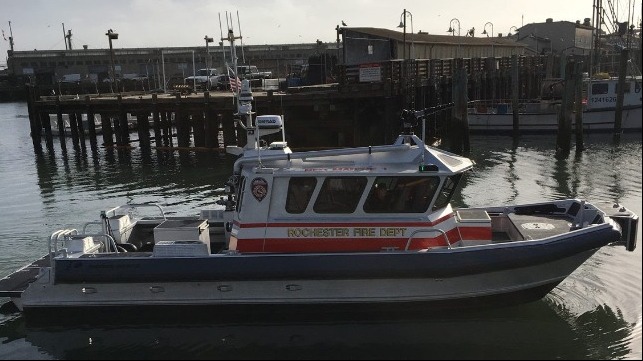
(37, 24)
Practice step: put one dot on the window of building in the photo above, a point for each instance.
(339, 194)
(300, 189)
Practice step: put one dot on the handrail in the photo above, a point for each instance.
(112, 212)
(55, 237)
(446, 237)
(58, 235)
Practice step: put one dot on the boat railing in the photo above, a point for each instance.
(52, 244)
(60, 235)
(424, 230)
(127, 207)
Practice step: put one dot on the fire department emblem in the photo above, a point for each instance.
(259, 188)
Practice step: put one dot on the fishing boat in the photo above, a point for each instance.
(541, 116)
(337, 227)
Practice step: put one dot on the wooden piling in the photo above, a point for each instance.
(106, 127)
(45, 123)
(229, 137)
(60, 123)
(123, 127)
(73, 126)
(143, 130)
(578, 107)
(210, 127)
(156, 119)
(514, 95)
(198, 129)
(460, 130)
(622, 69)
(563, 140)
(91, 123)
(34, 120)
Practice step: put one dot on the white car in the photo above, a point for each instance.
(201, 78)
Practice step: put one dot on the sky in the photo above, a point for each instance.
(38, 24)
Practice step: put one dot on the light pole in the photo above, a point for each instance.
(112, 35)
(208, 40)
(452, 31)
(512, 27)
(484, 29)
(403, 25)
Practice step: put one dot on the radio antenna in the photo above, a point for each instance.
(243, 55)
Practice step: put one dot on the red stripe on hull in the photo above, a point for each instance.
(303, 245)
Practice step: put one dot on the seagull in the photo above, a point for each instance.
(343, 23)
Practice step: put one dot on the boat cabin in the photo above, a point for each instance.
(602, 92)
(358, 199)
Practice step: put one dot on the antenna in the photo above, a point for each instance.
(65, 36)
(243, 55)
(10, 37)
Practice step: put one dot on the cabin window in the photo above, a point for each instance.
(300, 189)
(401, 194)
(339, 194)
(600, 88)
(447, 191)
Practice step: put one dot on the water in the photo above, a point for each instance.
(594, 314)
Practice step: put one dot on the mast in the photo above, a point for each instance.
(243, 92)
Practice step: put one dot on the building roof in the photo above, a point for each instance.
(424, 38)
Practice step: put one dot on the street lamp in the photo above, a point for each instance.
(512, 27)
(452, 31)
(403, 25)
(112, 35)
(484, 29)
(208, 40)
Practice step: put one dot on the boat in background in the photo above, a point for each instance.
(355, 226)
(541, 116)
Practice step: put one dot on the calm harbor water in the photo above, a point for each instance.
(594, 314)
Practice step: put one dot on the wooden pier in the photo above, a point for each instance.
(350, 112)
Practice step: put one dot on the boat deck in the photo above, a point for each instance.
(540, 226)
(15, 283)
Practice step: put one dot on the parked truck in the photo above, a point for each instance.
(202, 77)
(251, 72)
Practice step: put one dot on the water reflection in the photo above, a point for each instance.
(535, 331)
